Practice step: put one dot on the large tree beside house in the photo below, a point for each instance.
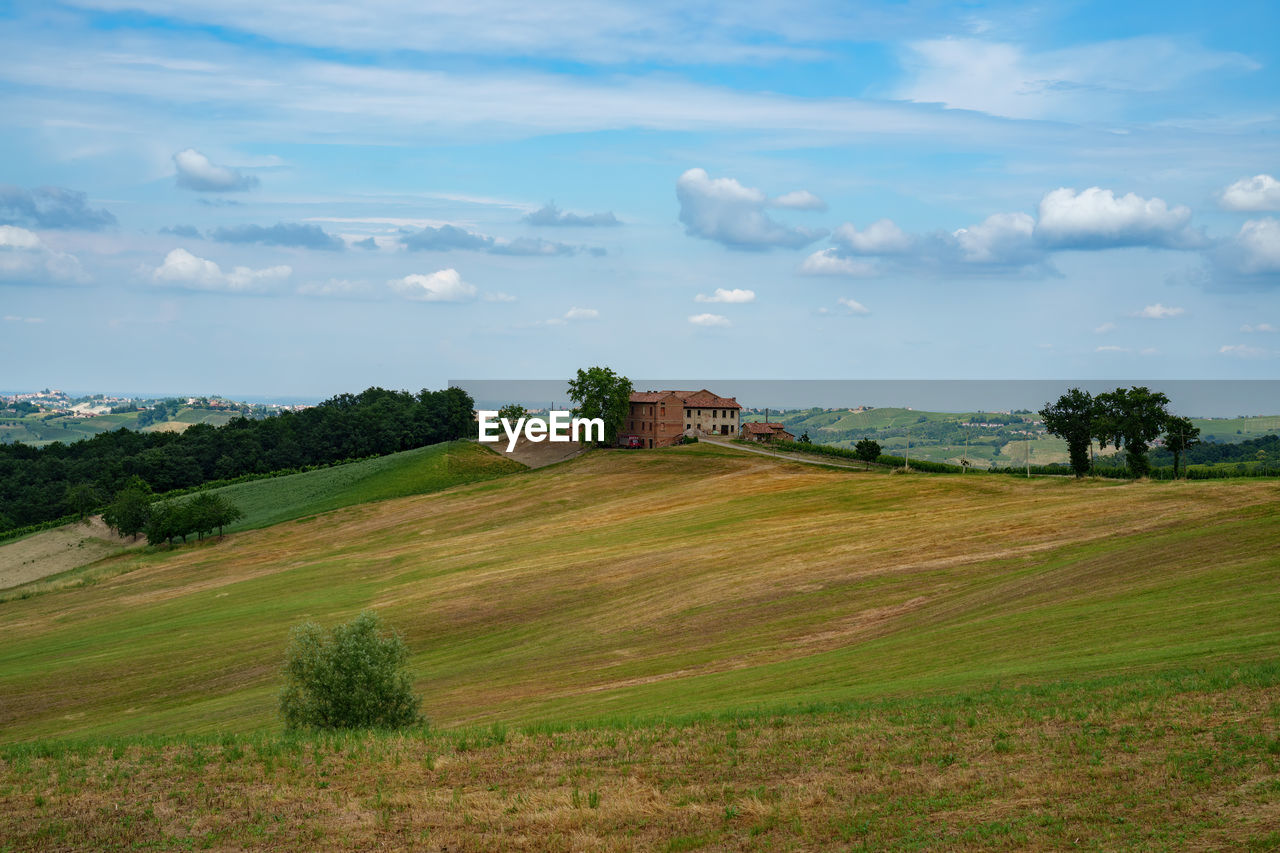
(598, 392)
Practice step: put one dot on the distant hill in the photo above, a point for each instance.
(38, 430)
(985, 439)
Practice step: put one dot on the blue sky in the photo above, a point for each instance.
(292, 198)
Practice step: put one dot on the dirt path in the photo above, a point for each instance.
(58, 550)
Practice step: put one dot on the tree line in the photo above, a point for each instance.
(1128, 419)
(135, 510)
(58, 480)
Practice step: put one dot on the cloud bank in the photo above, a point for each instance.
(51, 208)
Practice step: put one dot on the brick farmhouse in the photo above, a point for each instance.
(660, 418)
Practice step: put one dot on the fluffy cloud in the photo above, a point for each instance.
(1261, 192)
(799, 200)
(549, 214)
(735, 295)
(1160, 312)
(197, 172)
(50, 207)
(183, 269)
(440, 286)
(1002, 238)
(1105, 328)
(831, 262)
(882, 237)
(581, 314)
(709, 320)
(853, 306)
(1096, 219)
(446, 238)
(1255, 250)
(282, 234)
(26, 259)
(725, 211)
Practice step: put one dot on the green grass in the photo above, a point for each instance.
(1179, 759)
(411, 472)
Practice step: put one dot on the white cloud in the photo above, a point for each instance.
(1257, 327)
(440, 286)
(1111, 348)
(9, 318)
(736, 295)
(830, 262)
(581, 314)
(1255, 250)
(799, 200)
(882, 237)
(1104, 328)
(723, 210)
(1243, 351)
(183, 269)
(1261, 192)
(1158, 311)
(1002, 238)
(197, 172)
(853, 306)
(1080, 82)
(709, 320)
(26, 259)
(1096, 219)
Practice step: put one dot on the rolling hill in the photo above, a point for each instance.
(695, 579)
(684, 649)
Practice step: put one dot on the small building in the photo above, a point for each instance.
(766, 432)
(662, 418)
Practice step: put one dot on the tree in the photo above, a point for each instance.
(513, 412)
(601, 393)
(1179, 436)
(867, 450)
(350, 677)
(161, 523)
(804, 439)
(127, 513)
(1131, 418)
(83, 499)
(1073, 419)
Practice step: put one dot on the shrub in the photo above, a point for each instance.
(689, 439)
(350, 677)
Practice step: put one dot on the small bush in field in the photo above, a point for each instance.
(349, 677)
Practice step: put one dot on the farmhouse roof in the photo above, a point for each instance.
(650, 396)
(708, 400)
(757, 428)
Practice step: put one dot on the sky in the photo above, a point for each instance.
(305, 198)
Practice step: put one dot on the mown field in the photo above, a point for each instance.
(758, 653)
(1181, 760)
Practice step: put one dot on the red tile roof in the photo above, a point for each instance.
(692, 399)
(756, 428)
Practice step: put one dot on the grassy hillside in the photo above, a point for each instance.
(412, 472)
(691, 579)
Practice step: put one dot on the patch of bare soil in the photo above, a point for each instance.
(536, 454)
(58, 550)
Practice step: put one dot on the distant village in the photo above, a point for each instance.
(51, 401)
